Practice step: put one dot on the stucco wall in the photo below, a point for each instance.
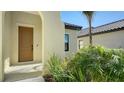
(49, 35)
(1, 52)
(72, 42)
(110, 40)
(12, 21)
(53, 34)
(7, 39)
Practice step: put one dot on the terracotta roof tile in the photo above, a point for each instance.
(103, 28)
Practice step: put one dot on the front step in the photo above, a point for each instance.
(24, 73)
(25, 68)
(36, 79)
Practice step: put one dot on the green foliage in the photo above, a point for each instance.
(57, 69)
(88, 60)
(99, 64)
(91, 63)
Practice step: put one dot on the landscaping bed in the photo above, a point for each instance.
(90, 64)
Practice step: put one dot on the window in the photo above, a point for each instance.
(80, 44)
(66, 42)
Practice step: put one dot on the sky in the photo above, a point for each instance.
(99, 18)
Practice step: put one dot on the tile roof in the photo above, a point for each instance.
(103, 28)
(72, 26)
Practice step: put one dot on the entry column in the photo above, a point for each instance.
(1, 62)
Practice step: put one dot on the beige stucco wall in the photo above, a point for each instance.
(110, 40)
(72, 42)
(53, 34)
(1, 48)
(6, 39)
(49, 35)
(12, 21)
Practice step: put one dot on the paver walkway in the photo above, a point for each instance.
(24, 73)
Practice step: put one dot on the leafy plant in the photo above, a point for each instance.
(98, 64)
(90, 64)
(57, 69)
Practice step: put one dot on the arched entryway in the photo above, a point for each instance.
(51, 36)
(22, 32)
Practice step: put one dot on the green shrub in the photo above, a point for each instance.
(91, 63)
(97, 63)
(57, 69)
(87, 62)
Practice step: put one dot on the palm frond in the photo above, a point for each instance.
(89, 14)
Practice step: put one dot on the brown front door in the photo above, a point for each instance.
(25, 44)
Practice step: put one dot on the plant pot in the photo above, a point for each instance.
(48, 78)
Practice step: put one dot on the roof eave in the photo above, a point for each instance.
(102, 32)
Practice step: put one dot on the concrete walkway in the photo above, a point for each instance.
(24, 73)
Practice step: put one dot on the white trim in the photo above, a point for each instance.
(24, 25)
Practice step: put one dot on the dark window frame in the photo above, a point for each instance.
(67, 43)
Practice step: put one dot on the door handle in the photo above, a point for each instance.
(32, 47)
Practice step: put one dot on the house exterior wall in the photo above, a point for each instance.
(49, 31)
(110, 40)
(15, 19)
(7, 39)
(1, 48)
(72, 42)
(48, 34)
(53, 35)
